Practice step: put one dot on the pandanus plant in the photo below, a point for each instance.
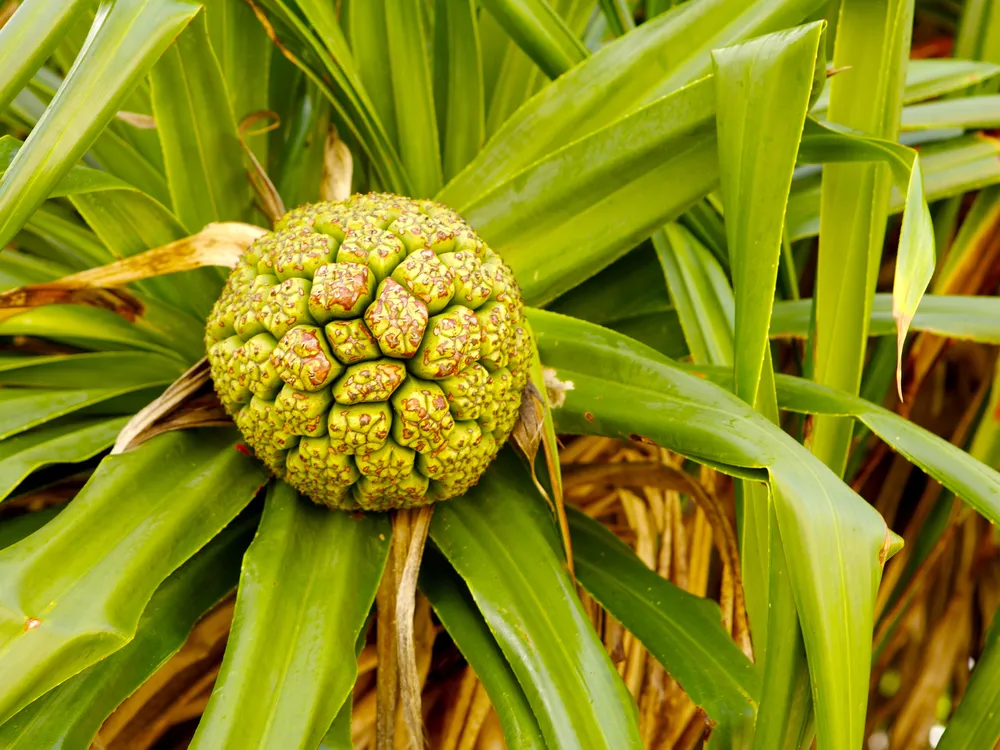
(508, 218)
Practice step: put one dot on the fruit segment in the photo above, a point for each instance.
(372, 352)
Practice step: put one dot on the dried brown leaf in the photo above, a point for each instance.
(7, 10)
(219, 244)
(938, 657)
(136, 120)
(338, 169)
(417, 525)
(16, 301)
(387, 686)
(478, 712)
(455, 718)
(139, 428)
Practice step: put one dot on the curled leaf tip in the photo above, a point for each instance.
(902, 326)
(891, 544)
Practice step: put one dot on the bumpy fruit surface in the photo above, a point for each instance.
(372, 352)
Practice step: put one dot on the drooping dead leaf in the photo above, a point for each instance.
(268, 198)
(338, 169)
(16, 301)
(414, 524)
(387, 685)
(138, 428)
(534, 426)
(528, 430)
(201, 411)
(219, 244)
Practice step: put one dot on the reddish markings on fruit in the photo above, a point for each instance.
(31, 623)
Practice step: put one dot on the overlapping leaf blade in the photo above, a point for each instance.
(457, 611)
(658, 57)
(197, 127)
(308, 583)
(73, 593)
(502, 541)
(683, 631)
(834, 541)
(70, 715)
(129, 36)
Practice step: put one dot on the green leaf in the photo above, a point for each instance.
(19, 268)
(71, 714)
(122, 159)
(308, 583)
(93, 327)
(369, 40)
(97, 370)
(201, 148)
(950, 168)
(298, 173)
(701, 293)
(413, 95)
(960, 317)
(457, 611)
(629, 287)
(973, 481)
(317, 45)
(764, 87)
(684, 632)
(834, 541)
(977, 30)
(73, 593)
(17, 528)
(761, 87)
(24, 408)
(244, 54)
(111, 151)
(67, 239)
(78, 179)
(967, 112)
(568, 216)
(127, 222)
(540, 32)
(458, 79)
(929, 79)
(30, 36)
(68, 442)
(501, 540)
(517, 76)
(618, 16)
(873, 40)
(128, 37)
(656, 58)
(915, 257)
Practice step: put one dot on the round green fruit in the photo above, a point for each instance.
(372, 352)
